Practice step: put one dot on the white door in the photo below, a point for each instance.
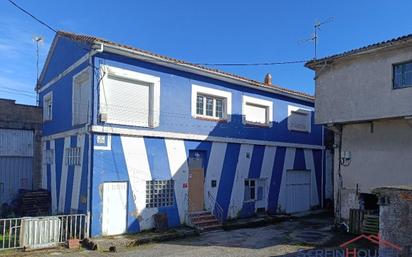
(298, 183)
(114, 208)
(261, 193)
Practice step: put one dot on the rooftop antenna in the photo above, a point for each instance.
(39, 41)
(315, 36)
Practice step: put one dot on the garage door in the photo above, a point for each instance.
(16, 162)
(298, 184)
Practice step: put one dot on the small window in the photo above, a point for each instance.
(48, 156)
(210, 106)
(81, 92)
(250, 190)
(159, 193)
(257, 111)
(73, 156)
(402, 75)
(211, 103)
(299, 119)
(48, 107)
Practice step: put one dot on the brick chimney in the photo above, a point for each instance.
(268, 79)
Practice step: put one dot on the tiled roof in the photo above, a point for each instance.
(312, 64)
(274, 88)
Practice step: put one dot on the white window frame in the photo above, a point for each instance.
(82, 76)
(153, 81)
(293, 108)
(48, 113)
(206, 91)
(259, 102)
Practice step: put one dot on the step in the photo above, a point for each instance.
(210, 227)
(205, 218)
(206, 222)
(199, 213)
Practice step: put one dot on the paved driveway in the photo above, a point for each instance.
(282, 239)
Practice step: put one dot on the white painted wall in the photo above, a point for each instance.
(379, 158)
(360, 88)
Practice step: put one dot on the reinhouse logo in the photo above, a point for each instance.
(383, 249)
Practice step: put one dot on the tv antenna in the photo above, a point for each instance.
(315, 36)
(39, 41)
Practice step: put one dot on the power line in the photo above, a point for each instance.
(252, 64)
(31, 15)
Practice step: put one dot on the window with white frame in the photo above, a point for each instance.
(299, 119)
(254, 190)
(81, 97)
(73, 156)
(48, 106)
(211, 103)
(129, 98)
(257, 111)
(48, 156)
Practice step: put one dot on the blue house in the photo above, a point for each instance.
(128, 134)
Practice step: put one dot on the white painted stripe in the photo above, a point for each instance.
(310, 165)
(77, 176)
(44, 166)
(214, 171)
(67, 133)
(242, 172)
(63, 178)
(266, 174)
(176, 154)
(53, 179)
(138, 168)
(186, 136)
(287, 165)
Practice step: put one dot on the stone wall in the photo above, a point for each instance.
(395, 216)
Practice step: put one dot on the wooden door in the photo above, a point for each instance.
(196, 189)
(114, 208)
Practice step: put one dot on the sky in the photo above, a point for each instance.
(213, 31)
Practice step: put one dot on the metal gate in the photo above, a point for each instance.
(298, 190)
(16, 162)
(42, 232)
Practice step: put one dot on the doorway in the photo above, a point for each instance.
(196, 180)
(114, 208)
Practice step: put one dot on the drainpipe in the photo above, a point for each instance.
(340, 180)
(100, 49)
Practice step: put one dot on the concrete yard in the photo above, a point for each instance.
(281, 239)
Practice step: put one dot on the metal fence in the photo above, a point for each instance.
(42, 232)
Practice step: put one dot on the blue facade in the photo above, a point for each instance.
(231, 150)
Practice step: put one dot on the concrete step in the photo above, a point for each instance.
(206, 222)
(210, 227)
(199, 213)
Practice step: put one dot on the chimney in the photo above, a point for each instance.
(268, 79)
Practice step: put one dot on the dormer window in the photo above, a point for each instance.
(402, 75)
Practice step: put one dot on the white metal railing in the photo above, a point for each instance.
(217, 210)
(45, 231)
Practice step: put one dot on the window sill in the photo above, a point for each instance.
(250, 201)
(300, 131)
(257, 125)
(211, 119)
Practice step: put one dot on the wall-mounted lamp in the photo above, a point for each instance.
(345, 158)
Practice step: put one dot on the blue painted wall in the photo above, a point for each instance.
(175, 105)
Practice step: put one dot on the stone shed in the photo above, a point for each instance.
(395, 215)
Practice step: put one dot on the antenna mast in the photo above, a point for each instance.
(315, 36)
(39, 41)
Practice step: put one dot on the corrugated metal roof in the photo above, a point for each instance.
(274, 88)
(391, 42)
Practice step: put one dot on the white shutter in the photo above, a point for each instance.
(81, 97)
(125, 102)
(256, 113)
(299, 121)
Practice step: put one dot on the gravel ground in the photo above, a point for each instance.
(282, 239)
